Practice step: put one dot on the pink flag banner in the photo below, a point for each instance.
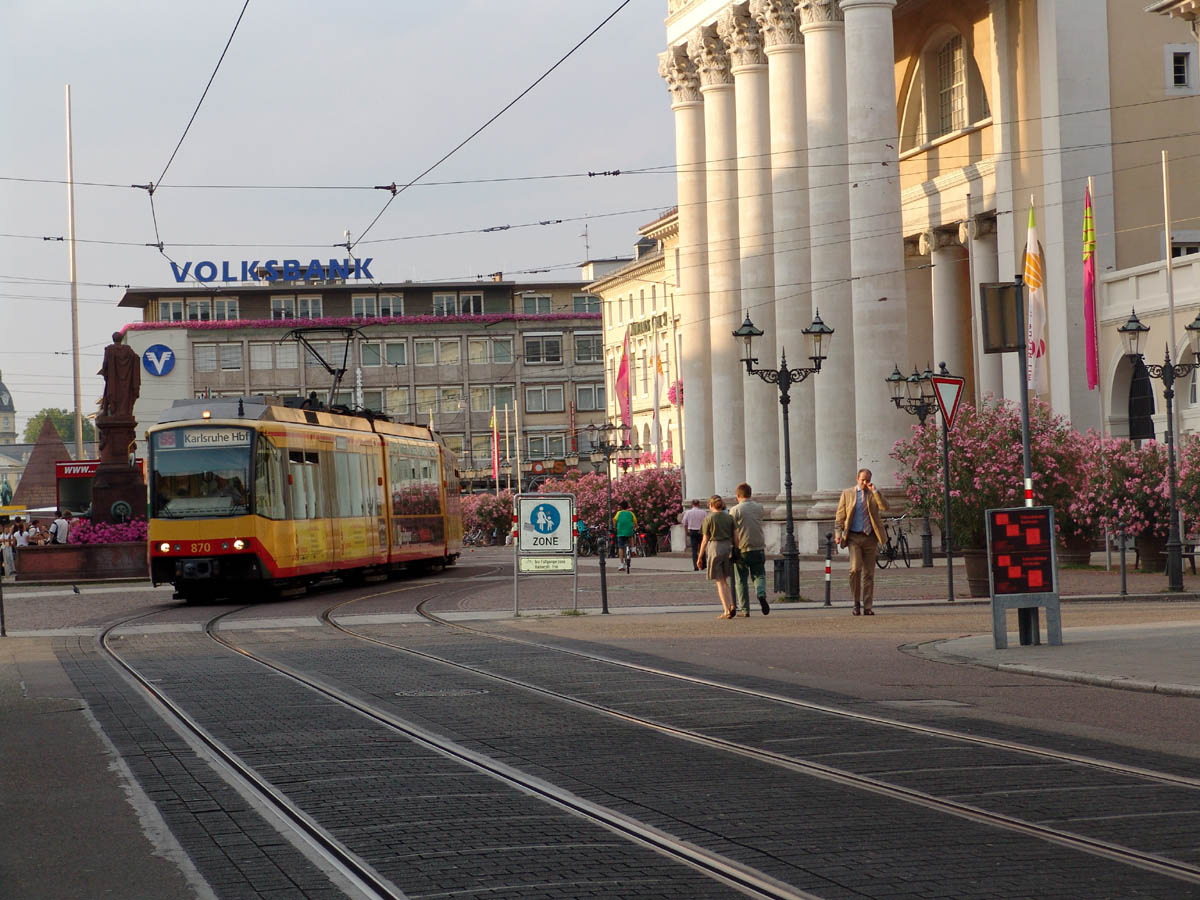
(622, 385)
(1092, 352)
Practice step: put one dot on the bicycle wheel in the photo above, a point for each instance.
(904, 552)
(639, 547)
(583, 546)
(886, 554)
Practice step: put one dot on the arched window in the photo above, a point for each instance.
(951, 86)
(1141, 404)
(945, 93)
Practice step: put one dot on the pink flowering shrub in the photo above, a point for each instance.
(986, 470)
(1124, 486)
(675, 393)
(654, 495)
(85, 531)
(487, 511)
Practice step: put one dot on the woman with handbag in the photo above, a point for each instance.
(715, 547)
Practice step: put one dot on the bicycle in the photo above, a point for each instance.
(586, 543)
(891, 551)
(639, 546)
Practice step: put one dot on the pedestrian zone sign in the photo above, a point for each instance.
(949, 390)
(546, 524)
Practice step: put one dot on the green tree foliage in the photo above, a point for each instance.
(63, 420)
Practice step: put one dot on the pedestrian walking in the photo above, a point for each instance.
(8, 540)
(858, 526)
(693, 521)
(625, 526)
(716, 545)
(752, 551)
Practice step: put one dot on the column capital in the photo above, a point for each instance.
(742, 37)
(711, 57)
(864, 4)
(683, 81)
(819, 14)
(778, 21)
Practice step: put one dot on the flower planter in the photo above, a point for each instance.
(81, 562)
(1075, 552)
(1151, 549)
(976, 563)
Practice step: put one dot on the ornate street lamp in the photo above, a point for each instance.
(603, 450)
(915, 396)
(818, 336)
(1132, 333)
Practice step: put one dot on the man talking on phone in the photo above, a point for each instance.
(858, 526)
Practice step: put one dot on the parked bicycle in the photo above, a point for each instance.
(585, 544)
(896, 547)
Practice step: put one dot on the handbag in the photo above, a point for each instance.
(735, 555)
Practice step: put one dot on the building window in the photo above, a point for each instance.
(204, 357)
(450, 352)
(589, 397)
(225, 309)
(952, 86)
(470, 304)
(260, 357)
(445, 304)
(547, 446)
(314, 356)
(425, 352)
(535, 304)
(426, 401)
(285, 356)
(585, 303)
(481, 399)
(364, 306)
(451, 399)
(589, 347)
(283, 307)
(543, 349)
(1179, 64)
(502, 350)
(391, 304)
(397, 353)
(397, 402)
(308, 307)
(373, 400)
(645, 374)
(544, 398)
(231, 357)
(477, 351)
(481, 451)
(654, 298)
(504, 396)
(1184, 248)
(170, 310)
(371, 355)
(454, 443)
(199, 310)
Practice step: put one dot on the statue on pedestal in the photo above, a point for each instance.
(122, 373)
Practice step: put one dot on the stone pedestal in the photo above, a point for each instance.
(117, 482)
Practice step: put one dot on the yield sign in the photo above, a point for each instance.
(949, 390)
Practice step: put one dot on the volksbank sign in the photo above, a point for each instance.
(273, 270)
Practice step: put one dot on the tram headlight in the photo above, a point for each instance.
(239, 544)
(164, 547)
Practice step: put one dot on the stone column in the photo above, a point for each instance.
(986, 263)
(724, 269)
(780, 26)
(951, 313)
(693, 359)
(829, 213)
(741, 35)
(876, 231)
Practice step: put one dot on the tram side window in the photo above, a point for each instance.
(305, 471)
(268, 480)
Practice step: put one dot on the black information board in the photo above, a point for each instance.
(1021, 550)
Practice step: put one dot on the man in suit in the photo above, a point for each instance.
(857, 525)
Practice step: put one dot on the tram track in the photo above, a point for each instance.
(1094, 846)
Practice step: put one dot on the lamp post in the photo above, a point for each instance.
(818, 335)
(1132, 333)
(603, 450)
(914, 395)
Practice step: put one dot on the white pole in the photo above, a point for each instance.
(1177, 424)
(1099, 380)
(74, 287)
(517, 437)
(507, 449)
(973, 316)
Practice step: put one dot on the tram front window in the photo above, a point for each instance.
(201, 472)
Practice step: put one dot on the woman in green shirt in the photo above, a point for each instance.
(715, 546)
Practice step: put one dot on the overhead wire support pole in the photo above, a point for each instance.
(74, 286)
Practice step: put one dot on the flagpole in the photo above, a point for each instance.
(1095, 337)
(517, 416)
(74, 286)
(495, 460)
(507, 449)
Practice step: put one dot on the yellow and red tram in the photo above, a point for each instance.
(246, 495)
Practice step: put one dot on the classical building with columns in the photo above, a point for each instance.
(875, 160)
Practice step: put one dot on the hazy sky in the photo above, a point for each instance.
(311, 96)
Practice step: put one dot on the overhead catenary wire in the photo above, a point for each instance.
(396, 191)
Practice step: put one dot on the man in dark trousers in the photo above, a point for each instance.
(752, 552)
(692, 521)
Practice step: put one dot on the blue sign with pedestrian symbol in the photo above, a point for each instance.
(544, 518)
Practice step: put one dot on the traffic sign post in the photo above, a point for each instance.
(948, 389)
(544, 540)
